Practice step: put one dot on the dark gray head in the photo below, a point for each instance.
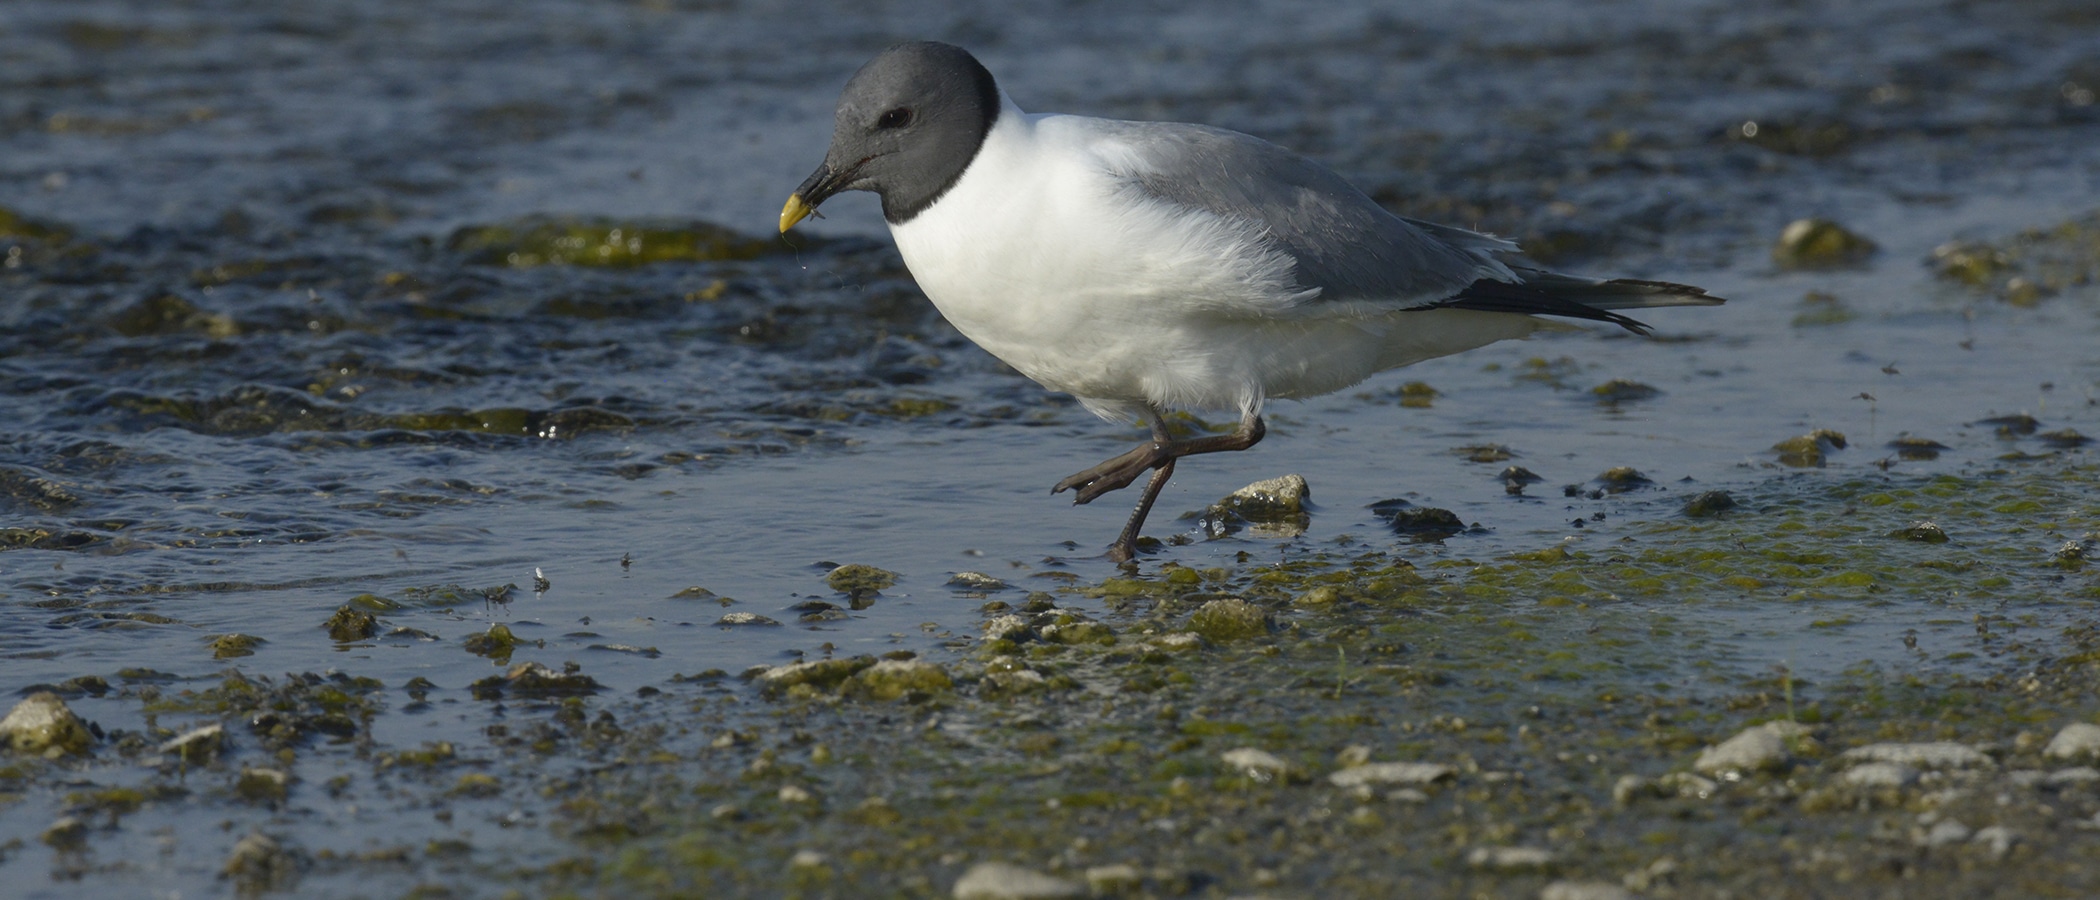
(909, 122)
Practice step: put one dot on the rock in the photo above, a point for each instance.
(258, 863)
(1880, 775)
(233, 646)
(1620, 479)
(196, 746)
(1756, 749)
(263, 785)
(1508, 859)
(795, 794)
(1009, 628)
(975, 581)
(1004, 881)
(745, 618)
(2078, 740)
(531, 679)
(1811, 450)
(42, 725)
(860, 582)
(1260, 765)
(1584, 890)
(894, 678)
(1420, 524)
(1998, 839)
(1623, 390)
(1121, 878)
(1178, 642)
(808, 860)
(1273, 508)
(1922, 532)
(1229, 619)
(1407, 773)
(816, 673)
(1818, 244)
(1014, 681)
(1933, 755)
(2071, 776)
(68, 833)
(1709, 503)
(1944, 832)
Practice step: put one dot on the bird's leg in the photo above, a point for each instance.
(1119, 472)
(1159, 455)
(1125, 547)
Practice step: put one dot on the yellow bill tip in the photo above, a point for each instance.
(794, 211)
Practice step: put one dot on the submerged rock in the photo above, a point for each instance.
(975, 581)
(1921, 532)
(894, 678)
(823, 673)
(1229, 619)
(1622, 390)
(1272, 508)
(1421, 524)
(1620, 479)
(198, 745)
(1005, 881)
(233, 646)
(1819, 243)
(351, 624)
(259, 863)
(42, 725)
(1709, 503)
(68, 833)
(744, 618)
(531, 679)
(1811, 450)
(860, 583)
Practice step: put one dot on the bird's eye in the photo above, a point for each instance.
(896, 118)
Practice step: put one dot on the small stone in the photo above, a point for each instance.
(1930, 755)
(2078, 740)
(1260, 765)
(860, 582)
(1399, 773)
(1509, 859)
(1819, 243)
(68, 833)
(234, 646)
(1880, 775)
(733, 619)
(263, 785)
(795, 794)
(42, 725)
(822, 673)
(1922, 532)
(531, 679)
(807, 859)
(1229, 619)
(2071, 776)
(1998, 839)
(975, 581)
(1274, 508)
(1005, 881)
(1009, 628)
(1686, 784)
(351, 624)
(1811, 450)
(1709, 503)
(1179, 642)
(198, 745)
(258, 862)
(1620, 479)
(477, 784)
(1121, 878)
(1622, 390)
(894, 678)
(1015, 681)
(1755, 749)
(1420, 524)
(1584, 890)
(1946, 831)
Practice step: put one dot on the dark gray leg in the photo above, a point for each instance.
(1159, 455)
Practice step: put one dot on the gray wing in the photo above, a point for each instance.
(1344, 243)
(1352, 249)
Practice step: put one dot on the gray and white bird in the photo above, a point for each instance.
(1149, 266)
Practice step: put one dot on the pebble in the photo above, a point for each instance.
(2077, 740)
(1584, 890)
(42, 725)
(1509, 858)
(1944, 832)
(1880, 775)
(1392, 773)
(1121, 878)
(975, 581)
(198, 745)
(68, 833)
(1005, 881)
(1260, 765)
(1755, 749)
(1998, 838)
(1229, 619)
(820, 672)
(745, 618)
(1930, 755)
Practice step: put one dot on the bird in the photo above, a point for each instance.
(1147, 267)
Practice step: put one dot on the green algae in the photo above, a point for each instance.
(1820, 244)
(551, 241)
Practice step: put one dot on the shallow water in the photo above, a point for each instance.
(248, 373)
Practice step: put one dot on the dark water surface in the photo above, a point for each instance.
(277, 331)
